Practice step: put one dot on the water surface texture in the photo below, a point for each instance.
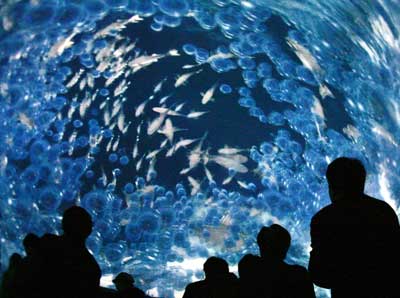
(183, 126)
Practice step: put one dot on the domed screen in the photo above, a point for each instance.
(184, 126)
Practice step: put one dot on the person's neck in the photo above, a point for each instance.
(271, 259)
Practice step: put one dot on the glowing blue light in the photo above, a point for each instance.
(129, 108)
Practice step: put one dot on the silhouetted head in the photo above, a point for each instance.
(15, 260)
(31, 243)
(215, 267)
(123, 281)
(274, 242)
(77, 223)
(248, 266)
(346, 178)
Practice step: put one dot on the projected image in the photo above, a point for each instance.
(185, 126)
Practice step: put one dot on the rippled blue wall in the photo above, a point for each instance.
(184, 125)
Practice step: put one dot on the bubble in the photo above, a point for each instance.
(174, 8)
(39, 15)
(225, 88)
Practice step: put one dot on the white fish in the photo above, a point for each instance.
(74, 79)
(153, 154)
(59, 47)
(159, 86)
(108, 147)
(106, 117)
(184, 143)
(25, 120)
(169, 130)
(140, 108)
(155, 124)
(170, 151)
(116, 108)
(182, 79)
(219, 56)
(103, 104)
(115, 145)
(125, 130)
(117, 26)
(90, 81)
(188, 66)
(242, 184)
(195, 115)
(163, 143)
(121, 122)
(85, 104)
(195, 185)
(228, 179)
(112, 125)
(163, 110)
(229, 163)
(164, 99)
(82, 84)
(150, 169)
(146, 60)
(208, 95)
(179, 107)
(229, 150)
(135, 150)
(208, 174)
(139, 163)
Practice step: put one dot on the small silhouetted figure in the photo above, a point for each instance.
(250, 281)
(62, 266)
(355, 239)
(219, 282)
(29, 270)
(9, 277)
(124, 283)
(279, 279)
(31, 244)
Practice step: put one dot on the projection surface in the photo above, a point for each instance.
(183, 126)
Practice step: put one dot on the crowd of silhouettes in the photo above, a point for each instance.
(355, 246)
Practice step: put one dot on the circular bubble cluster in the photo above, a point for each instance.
(184, 126)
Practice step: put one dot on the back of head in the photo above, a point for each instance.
(77, 223)
(215, 267)
(274, 242)
(31, 243)
(123, 281)
(346, 176)
(248, 267)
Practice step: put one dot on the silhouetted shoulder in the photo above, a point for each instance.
(195, 289)
(378, 209)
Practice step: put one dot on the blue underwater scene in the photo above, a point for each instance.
(183, 126)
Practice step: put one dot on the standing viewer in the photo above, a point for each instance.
(354, 240)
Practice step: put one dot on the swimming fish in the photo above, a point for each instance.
(195, 115)
(156, 124)
(169, 112)
(229, 150)
(229, 163)
(169, 130)
(159, 86)
(208, 95)
(182, 79)
(195, 185)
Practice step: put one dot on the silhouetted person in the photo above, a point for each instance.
(124, 283)
(9, 276)
(355, 239)
(250, 281)
(279, 279)
(31, 244)
(29, 270)
(62, 266)
(219, 282)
